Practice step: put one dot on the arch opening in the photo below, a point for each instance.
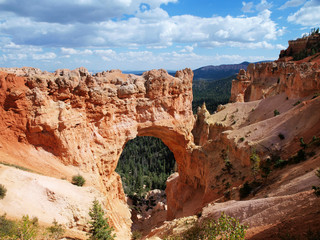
(144, 166)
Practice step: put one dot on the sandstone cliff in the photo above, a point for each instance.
(275, 106)
(77, 122)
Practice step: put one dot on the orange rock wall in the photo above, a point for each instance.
(85, 120)
(269, 79)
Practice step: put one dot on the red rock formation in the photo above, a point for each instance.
(263, 80)
(299, 45)
(85, 120)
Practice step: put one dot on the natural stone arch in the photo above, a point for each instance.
(85, 120)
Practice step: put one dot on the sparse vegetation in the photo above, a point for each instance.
(99, 226)
(16, 166)
(8, 229)
(225, 228)
(266, 168)
(225, 156)
(276, 112)
(281, 136)
(316, 95)
(3, 191)
(56, 231)
(255, 163)
(249, 188)
(136, 235)
(245, 190)
(302, 143)
(28, 228)
(311, 49)
(78, 180)
(297, 103)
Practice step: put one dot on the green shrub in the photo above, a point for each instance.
(56, 231)
(297, 103)
(99, 226)
(276, 112)
(28, 228)
(78, 180)
(316, 95)
(3, 191)
(280, 163)
(245, 190)
(25, 229)
(299, 157)
(255, 163)
(225, 228)
(302, 143)
(8, 228)
(136, 235)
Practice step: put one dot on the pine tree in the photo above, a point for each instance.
(99, 226)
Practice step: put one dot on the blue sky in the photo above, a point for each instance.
(148, 34)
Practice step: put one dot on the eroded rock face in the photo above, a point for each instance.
(269, 79)
(85, 120)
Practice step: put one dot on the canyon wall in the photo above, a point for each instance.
(225, 141)
(85, 120)
(263, 80)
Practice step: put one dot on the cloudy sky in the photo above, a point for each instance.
(148, 34)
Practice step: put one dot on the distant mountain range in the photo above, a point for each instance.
(218, 72)
(210, 72)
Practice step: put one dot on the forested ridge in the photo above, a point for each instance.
(212, 92)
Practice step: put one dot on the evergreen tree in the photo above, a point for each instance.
(145, 164)
(99, 226)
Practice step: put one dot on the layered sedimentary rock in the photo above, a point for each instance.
(263, 80)
(300, 45)
(85, 120)
(224, 142)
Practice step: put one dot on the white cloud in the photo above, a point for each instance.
(155, 28)
(263, 5)
(68, 51)
(308, 15)
(72, 51)
(247, 7)
(73, 11)
(44, 56)
(187, 49)
(292, 3)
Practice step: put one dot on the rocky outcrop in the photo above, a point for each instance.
(85, 120)
(300, 45)
(263, 80)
